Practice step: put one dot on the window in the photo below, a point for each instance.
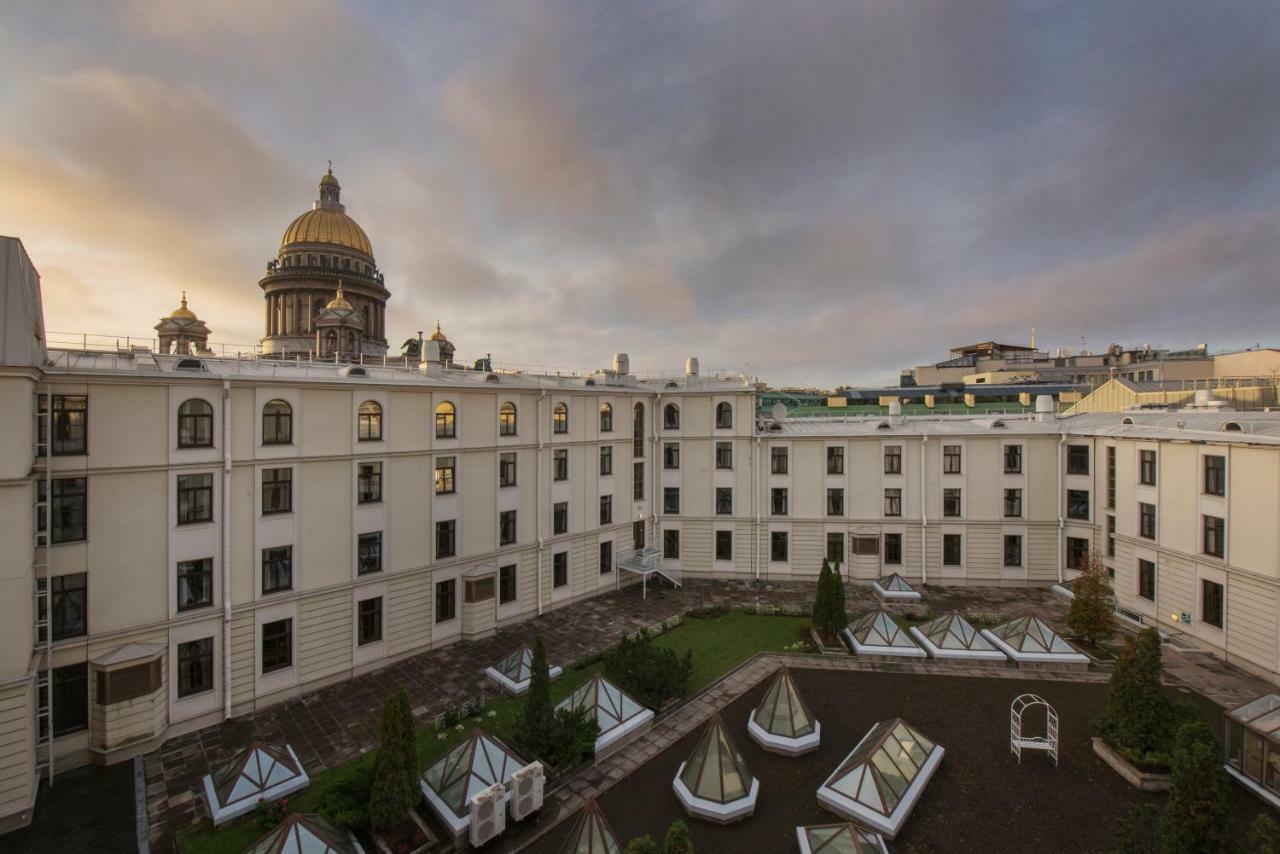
(835, 460)
(724, 545)
(671, 499)
(893, 459)
(951, 502)
(507, 419)
(606, 418)
(195, 498)
(835, 547)
(507, 584)
(865, 545)
(1147, 468)
(778, 501)
(446, 600)
(952, 550)
(724, 416)
(277, 569)
(606, 509)
(446, 533)
(195, 424)
(1013, 459)
(277, 423)
(1077, 459)
(637, 432)
(606, 558)
(277, 491)
(893, 502)
(1013, 550)
(1215, 475)
(369, 483)
(195, 667)
(724, 455)
(70, 603)
(369, 422)
(777, 460)
(1012, 503)
(369, 553)
(1147, 520)
(671, 544)
(1212, 602)
(835, 502)
(951, 459)
(671, 455)
(560, 418)
(70, 424)
(670, 417)
(1147, 579)
(1077, 552)
(560, 518)
(1111, 536)
(606, 460)
(369, 621)
(560, 464)
(637, 481)
(507, 469)
(446, 421)
(195, 584)
(1111, 477)
(445, 475)
(277, 645)
(724, 501)
(778, 546)
(1078, 504)
(893, 549)
(70, 699)
(1214, 536)
(68, 508)
(559, 569)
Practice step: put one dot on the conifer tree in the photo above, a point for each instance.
(678, 840)
(391, 796)
(839, 619)
(537, 718)
(1197, 816)
(408, 737)
(642, 845)
(1137, 717)
(1089, 617)
(821, 598)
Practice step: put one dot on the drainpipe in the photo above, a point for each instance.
(537, 495)
(226, 550)
(924, 515)
(654, 450)
(1062, 441)
(755, 505)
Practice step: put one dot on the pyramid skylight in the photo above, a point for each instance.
(782, 723)
(1033, 640)
(472, 766)
(514, 672)
(842, 838)
(618, 715)
(879, 783)
(877, 634)
(953, 636)
(302, 833)
(894, 586)
(591, 834)
(715, 783)
(259, 772)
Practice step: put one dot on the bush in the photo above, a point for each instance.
(838, 617)
(1197, 816)
(1089, 617)
(1137, 831)
(342, 796)
(1265, 834)
(392, 794)
(642, 845)
(677, 841)
(408, 738)
(533, 729)
(828, 601)
(652, 675)
(1140, 720)
(572, 739)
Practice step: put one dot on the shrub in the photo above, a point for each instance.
(1265, 834)
(1140, 719)
(1089, 617)
(342, 796)
(392, 794)
(533, 729)
(1137, 831)
(652, 675)
(1197, 816)
(677, 841)
(407, 736)
(572, 739)
(642, 845)
(828, 601)
(838, 617)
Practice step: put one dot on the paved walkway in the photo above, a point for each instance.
(89, 809)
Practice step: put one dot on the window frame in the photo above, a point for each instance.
(446, 600)
(671, 500)
(1213, 537)
(369, 626)
(835, 507)
(1214, 481)
(1148, 467)
(1074, 504)
(671, 456)
(953, 459)
(1013, 502)
(670, 544)
(446, 475)
(893, 553)
(724, 500)
(508, 469)
(606, 510)
(276, 561)
(369, 421)
(369, 483)
(446, 540)
(559, 518)
(724, 415)
(446, 420)
(779, 501)
(508, 419)
(200, 568)
(606, 460)
(369, 553)
(671, 417)
(948, 558)
(195, 424)
(281, 641)
(779, 547)
(606, 418)
(1152, 531)
(279, 488)
(721, 537)
(560, 419)
(1219, 596)
(779, 460)
(606, 557)
(835, 459)
(952, 502)
(280, 431)
(1013, 454)
(184, 667)
(63, 440)
(1014, 540)
(724, 456)
(1146, 579)
(893, 502)
(188, 496)
(893, 459)
(560, 464)
(1074, 455)
(559, 569)
(508, 575)
(67, 519)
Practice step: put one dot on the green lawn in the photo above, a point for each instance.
(719, 644)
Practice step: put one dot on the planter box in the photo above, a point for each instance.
(839, 649)
(1147, 781)
(432, 839)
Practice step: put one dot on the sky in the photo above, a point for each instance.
(815, 193)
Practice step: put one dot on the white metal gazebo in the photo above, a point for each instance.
(1019, 741)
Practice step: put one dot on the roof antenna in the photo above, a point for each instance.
(330, 167)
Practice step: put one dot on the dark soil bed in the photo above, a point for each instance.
(980, 799)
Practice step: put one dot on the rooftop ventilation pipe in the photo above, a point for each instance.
(1044, 408)
(621, 364)
(691, 366)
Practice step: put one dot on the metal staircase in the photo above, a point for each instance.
(43, 652)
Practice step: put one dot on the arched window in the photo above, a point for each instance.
(446, 421)
(370, 421)
(195, 424)
(670, 417)
(606, 418)
(724, 415)
(560, 418)
(637, 433)
(507, 419)
(277, 423)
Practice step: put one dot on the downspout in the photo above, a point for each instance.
(226, 550)
(1226, 559)
(755, 506)
(924, 514)
(1061, 486)
(654, 451)
(537, 494)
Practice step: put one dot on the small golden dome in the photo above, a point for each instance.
(182, 311)
(438, 335)
(339, 301)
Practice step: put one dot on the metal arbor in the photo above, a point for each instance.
(1019, 742)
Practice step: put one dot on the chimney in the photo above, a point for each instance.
(691, 366)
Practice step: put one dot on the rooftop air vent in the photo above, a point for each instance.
(671, 385)
(1232, 427)
(190, 365)
(883, 425)
(590, 381)
(491, 378)
(1127, 421)
(355, 371)
(997, 424)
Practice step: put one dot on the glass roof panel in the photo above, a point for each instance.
(251, 771)
(302, 833)
(895, 583)
(591, 834)
(517, 666)
(841, 839)
(878, 629)
(782, 711)
(883, 766)
(471, 766)
(610, 706)
(1255, 708)
(716, 771)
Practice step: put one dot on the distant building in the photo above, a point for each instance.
(991, 363)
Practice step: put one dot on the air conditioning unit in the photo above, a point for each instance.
(527, 786)
(488, 814)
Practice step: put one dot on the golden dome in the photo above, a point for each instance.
(182, 311)
(339, 301)
(327, 226)
(438, 335)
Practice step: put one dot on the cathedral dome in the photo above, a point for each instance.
(327, 223)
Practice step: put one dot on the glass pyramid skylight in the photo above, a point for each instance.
(614, 710)
(782, 723)
(879, 782)
(301, 833)
(952, 636)
(877, 634)
(259, 772)
(592, 833)
(894, 586)
(1031, 639)
(715, 782)
(473, 765)
(514, 672)
(839, 839)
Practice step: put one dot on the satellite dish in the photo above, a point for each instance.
(779, 412)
